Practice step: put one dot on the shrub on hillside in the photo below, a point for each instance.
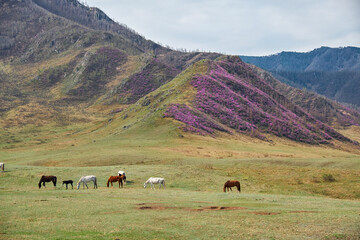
(328, 177)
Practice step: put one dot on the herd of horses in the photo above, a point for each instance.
(120, 178)
(84, 180)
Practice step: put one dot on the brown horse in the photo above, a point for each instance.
(230, 184)
(115, 179)
(44, 179)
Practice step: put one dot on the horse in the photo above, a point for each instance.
(115, 179)
(44, 179)
(122, 173)
(2, 166)
(85, 179)
(153, 180)
(68, 182)
(230, 184)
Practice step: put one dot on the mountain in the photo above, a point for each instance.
(65, 64)
(57, 54)
(332, 72)
(227, 96)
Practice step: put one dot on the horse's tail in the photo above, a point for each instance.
(238, 187)
(106, 184)
(55, 179)
(95, 182)
(224, 189)
(40, 181)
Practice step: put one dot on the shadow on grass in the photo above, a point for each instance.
(129, 182)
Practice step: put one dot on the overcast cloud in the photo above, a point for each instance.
(245, 27)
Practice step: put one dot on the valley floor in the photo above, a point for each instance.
(286, 189)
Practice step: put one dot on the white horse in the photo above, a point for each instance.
(153, 180)
(85, 179)
(2, 166)
(122, 173)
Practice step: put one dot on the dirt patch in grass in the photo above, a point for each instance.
(219, 208)
(264, 213)
(144, 206)
(303, 212)
(155, 207)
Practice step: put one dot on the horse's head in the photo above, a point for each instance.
(124, 178)
(78, 185)
(145, 184)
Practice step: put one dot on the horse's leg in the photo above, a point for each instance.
(230, 189)
(72, 187)
(66, 186)
(86, 186)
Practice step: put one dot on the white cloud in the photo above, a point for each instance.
(256, 27)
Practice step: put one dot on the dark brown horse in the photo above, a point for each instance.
(44, 179)
(230, 184)
(115, 179)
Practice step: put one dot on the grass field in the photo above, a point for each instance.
(284, 192)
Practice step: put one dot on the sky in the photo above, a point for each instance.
(240, 27)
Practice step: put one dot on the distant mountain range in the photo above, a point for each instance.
(332, 72)
(64, 63)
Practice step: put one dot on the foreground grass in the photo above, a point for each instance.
(180, 211)
(284, 194)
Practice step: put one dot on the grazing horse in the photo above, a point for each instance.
(153, 180)
(68, 182)
(44, 179)
(230, 184)
(2, 166)
(115, 179)
(122, 173)
(85, 179)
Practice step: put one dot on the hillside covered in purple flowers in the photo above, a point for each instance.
(63, 63)
(232, 98)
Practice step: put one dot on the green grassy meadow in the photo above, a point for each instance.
(284, 194)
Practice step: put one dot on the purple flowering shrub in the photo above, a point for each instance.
(237, 98)
(154, 75)
(196, 122)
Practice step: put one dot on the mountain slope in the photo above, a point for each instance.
(71, 66)
(322, 108)
(226, 97)
(49, 60)
(332, 72)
